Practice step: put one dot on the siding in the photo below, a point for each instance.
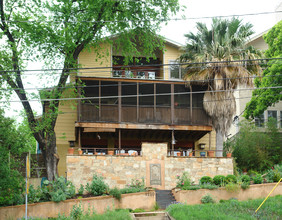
(170, 53)
(99, 57)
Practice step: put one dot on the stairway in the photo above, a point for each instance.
(164, 198)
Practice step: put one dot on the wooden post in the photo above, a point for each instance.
(79, 102)
(209, 140)
(155, 101)
(172, 103)
(137, 104)
(191, 105)
(172, 142)
(119, 140)
(100, 100)
(119, 101)
(79, 137)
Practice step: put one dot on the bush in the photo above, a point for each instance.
(231, 179)
(97, 187)
(115, 192)
(245, 179)
(245, 185)
(131, 190)
(80, 190)
(207, 199)
(208, 186)
(232, 187)
(257, 179)
(61, 189)
(191, 188)
(219, 180)
(76, 212)
(136, 183)
(183, 181)
(206, 179)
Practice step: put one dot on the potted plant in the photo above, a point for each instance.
(110, 152)
(71, 149)
(80, 151)
(211, 153)
(228, 148)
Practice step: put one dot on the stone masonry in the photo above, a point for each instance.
(154, 166)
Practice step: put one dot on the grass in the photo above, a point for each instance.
(233, 209)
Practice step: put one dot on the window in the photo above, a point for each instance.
(272, 114)
(176, 72)
(259, 121)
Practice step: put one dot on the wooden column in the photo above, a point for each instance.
(100, 93)
(155, 102)
(137, 103)
(172, 142)
(119, 101)
(79, 102)
(191, 105)
(79, 137)
(119, 140)
(172, 103)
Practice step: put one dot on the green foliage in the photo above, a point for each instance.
(13, 143)
(231, 179)
(81, 190)
(76, 212)
(219, 180)
(263, 98)
(232, 187)
(131, 190)
(206, 179)
(274, 174)
(183, 181)
(255, 150)
(208, 186)
(245, 179)
(231, 209)
(115, 192)
(97, 187)
(194, 187)
(207, 199)
(137, 183)
(257, 179)
(245, 185)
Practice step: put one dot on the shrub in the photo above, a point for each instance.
(131, 190)
(257, 179)
(207, 199)
(183, 181)
(61, 189)
(206, 179)
(115, 192)
(276, 176)
(219, 180)
(245, 185)
(191, 188)
(76, 212)
(245, 179)
(80, 190)
(208, 186)
(232, 187)
(136, 183)
(97, 187)
(231, 179)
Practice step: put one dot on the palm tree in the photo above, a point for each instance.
(220, 47)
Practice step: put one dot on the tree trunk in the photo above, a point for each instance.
(219, 144)
(50, 155)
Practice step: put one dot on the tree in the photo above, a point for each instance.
(13, 143)
(263, 98)
(220, 46)
(255, 149)
(60, 31)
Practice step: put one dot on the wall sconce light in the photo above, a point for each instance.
(71, 143)
(202, 146)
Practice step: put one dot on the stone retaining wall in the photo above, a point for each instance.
(192, 197)
(143, 200)
(157, 169)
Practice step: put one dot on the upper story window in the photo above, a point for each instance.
(272, 114)
(175, 71)
(259, 121)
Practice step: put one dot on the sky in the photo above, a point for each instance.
(175, 30)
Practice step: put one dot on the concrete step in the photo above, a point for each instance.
(164, 198)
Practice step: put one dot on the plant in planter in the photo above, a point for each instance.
(80, 152)
(228, 148)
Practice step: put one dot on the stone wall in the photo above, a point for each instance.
(157, 169)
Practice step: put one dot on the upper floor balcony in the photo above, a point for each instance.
(118, 100)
